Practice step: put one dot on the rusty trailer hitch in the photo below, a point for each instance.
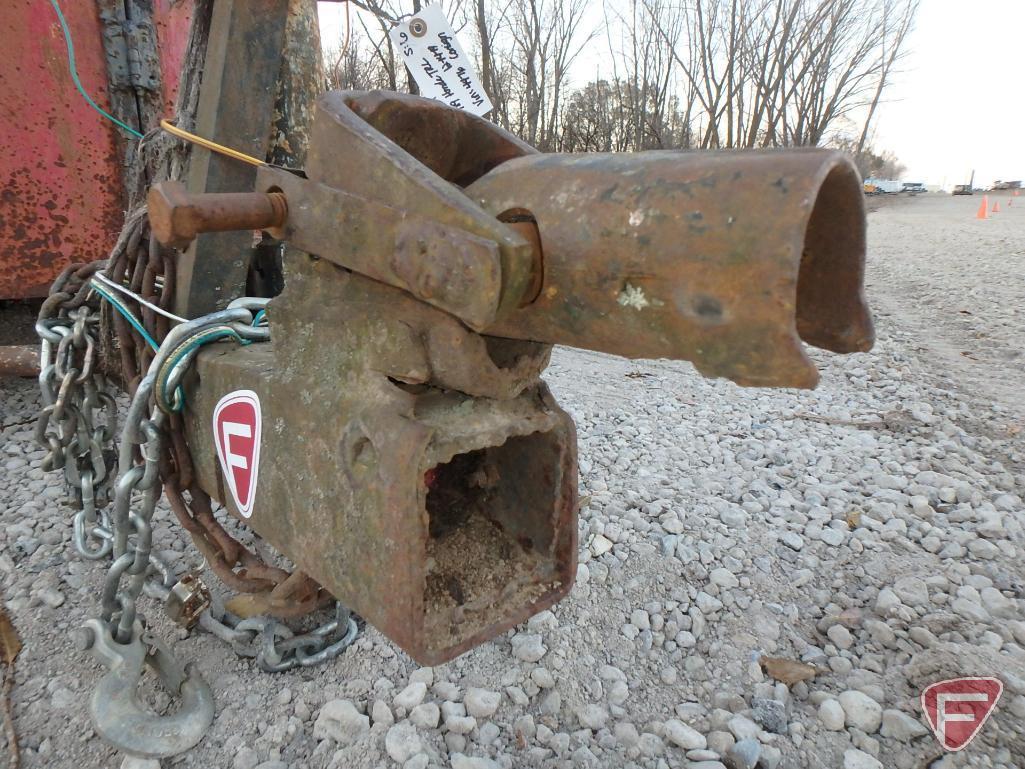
(411, 458)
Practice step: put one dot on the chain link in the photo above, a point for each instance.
(76, 427)
(79, 417)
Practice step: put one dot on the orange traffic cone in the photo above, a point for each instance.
(1016, 193)
(996, 207)
(983, 212)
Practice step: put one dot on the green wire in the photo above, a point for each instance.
(124, 312)
(201, 338)
(74, 74)
(115, 302)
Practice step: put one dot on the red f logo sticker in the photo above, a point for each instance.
(237, 421)
(957, 708)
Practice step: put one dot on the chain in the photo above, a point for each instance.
(270, 642)
(139, 267)
(79, 417)
(274, 646)
(77, 425)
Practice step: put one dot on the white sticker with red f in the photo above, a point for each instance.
(237, 421)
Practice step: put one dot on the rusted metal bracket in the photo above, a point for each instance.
(116, 47)
(143, 58)
(413, 462)
(236, 109)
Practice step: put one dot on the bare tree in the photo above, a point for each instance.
(898, 20)
(674, 73)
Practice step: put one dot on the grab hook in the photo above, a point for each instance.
(119, 716)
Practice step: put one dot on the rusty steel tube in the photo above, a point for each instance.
(177, 215)
(19, 360)
(726, 259)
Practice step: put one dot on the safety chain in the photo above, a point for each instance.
(77, 426)
(80, 410)
(79, 417)
(139, 266)
(270, 642)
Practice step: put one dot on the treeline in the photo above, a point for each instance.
(696, 74)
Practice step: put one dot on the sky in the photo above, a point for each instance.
(958, 103)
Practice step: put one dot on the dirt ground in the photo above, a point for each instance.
(872, 527)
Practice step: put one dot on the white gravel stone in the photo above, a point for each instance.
(684, 736)
(426, 714)
(640, 620)
(402, 742)
(840, 636)
(542, 677)
(792, 540)
(724, 578)
(861, 711)
(887, 602)
(857, 759)
(626, 734)
(900, 726)
(528, 647)
(460, 761)
(997, 604)
(134, 762)
(743, 728)
(339, 720)
(380, 713)
(912, 591)
(411, 696)
(745, 754)
(592, 716)
(481, 703)
(460, 724)
(832, 537)
(600, 545)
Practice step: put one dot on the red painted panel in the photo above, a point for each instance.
(172, 19)
(60, 168)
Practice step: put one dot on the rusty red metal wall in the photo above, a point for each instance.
(60, 167)
(172, 19)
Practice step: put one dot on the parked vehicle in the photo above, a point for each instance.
(914, 187)
(963, 189)
(885, 185)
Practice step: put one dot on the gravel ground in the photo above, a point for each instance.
(872, 527)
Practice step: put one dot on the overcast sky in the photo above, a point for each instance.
(957, 105)
(960, 102)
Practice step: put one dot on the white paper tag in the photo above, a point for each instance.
(431, 52)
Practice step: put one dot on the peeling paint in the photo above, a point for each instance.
(633, 296)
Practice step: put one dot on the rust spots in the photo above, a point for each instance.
(43, 228)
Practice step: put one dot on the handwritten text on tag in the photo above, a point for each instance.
(431, 52)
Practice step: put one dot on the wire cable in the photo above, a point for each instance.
(127, 314)
(181, 133)
(73, 67)
(101, 276)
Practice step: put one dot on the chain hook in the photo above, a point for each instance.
(117, 713)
